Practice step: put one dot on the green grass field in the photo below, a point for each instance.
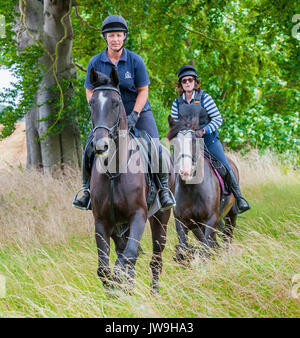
(48, 255)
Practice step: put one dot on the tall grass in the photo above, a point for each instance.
(48, 254)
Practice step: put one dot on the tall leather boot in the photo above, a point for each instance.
(84, 202)
(166, 201)
(164, 195)
(233, 183)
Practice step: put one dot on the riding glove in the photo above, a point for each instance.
(132, 119)
(199, 133)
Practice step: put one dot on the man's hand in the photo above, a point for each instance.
(199, 133)
(132, 119)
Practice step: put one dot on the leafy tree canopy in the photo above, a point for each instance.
(246, 54)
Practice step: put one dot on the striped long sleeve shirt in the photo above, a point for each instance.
(211, 108)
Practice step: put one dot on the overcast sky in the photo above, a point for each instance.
(5, 79)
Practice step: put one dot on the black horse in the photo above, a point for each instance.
(198, 204)
(129, 190)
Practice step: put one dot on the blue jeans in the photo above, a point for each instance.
(215, 147)
(147, 122)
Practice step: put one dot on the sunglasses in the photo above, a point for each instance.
(190, 80)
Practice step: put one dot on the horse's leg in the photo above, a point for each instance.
(102, 235)
(198, 233)
(120, 243)
(158, 224)
(210, 240)
(182, 246)
(125, 263)
(230, 223)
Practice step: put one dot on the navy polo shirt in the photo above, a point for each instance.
(132, 75)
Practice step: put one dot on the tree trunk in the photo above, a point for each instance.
(48, 23)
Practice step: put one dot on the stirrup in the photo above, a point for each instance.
(171, 195)
(75, 199)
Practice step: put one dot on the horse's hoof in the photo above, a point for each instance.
(180, 259)
(204, 253)
(154, 290)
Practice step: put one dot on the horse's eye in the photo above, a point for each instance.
(115, 103)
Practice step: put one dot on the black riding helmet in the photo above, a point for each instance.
(114, 23)
(186, 71)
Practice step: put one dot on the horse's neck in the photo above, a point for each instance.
(123, 153)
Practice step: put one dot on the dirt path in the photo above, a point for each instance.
(13, 148)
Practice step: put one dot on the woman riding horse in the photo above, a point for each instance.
(200, 203)
(192, 97)
(134, 82)
(120, 196)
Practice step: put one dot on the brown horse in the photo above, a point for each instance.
(120, 198)
(197, 204)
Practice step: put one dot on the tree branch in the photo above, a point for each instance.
(80, 67)
(84, 21)
(198, 33)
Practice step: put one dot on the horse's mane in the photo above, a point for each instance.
(190, 121)
(176, 128)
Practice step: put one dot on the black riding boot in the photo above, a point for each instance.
(166, 200)
(233, 183)
(164, 195)
(84, 202)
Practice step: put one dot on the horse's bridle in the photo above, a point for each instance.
(182, 155)
(113, 131)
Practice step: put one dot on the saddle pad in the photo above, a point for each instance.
(221, 181)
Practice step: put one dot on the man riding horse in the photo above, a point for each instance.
(134, 82)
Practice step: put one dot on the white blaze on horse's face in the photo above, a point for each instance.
(185, 155)
(102, 100)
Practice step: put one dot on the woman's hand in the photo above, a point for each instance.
(132, 119)
(199, 133)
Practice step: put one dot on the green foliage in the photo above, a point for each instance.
(20, 99)
(246, 56)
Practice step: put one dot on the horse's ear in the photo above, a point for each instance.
(94, 77)
(171, 121)
(114, 77)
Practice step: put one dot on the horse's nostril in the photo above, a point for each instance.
(101, 146)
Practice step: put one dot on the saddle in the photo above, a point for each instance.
(220, 171)
(145, 144)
